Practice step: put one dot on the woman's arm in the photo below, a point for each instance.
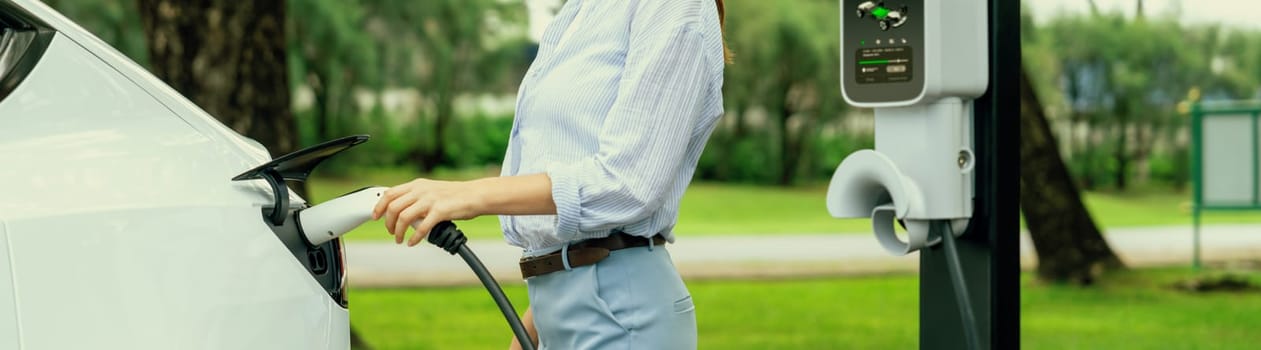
(528, 321)
(643, 141)
(659, 112)
(431, 202)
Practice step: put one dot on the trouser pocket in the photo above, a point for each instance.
(684, 305)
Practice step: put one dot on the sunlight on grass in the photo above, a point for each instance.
(1128, 310)
(1138, 310)
(1156, 209)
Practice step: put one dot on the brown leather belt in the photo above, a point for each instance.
(584, 253)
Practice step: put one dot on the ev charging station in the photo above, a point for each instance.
(942, 77)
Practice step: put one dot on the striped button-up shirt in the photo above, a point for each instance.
(616, 109)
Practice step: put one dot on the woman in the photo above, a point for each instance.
(611, 119)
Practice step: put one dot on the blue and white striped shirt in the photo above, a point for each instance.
(616, 109)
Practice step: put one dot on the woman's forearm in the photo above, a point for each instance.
(423, 203)
(514, 195)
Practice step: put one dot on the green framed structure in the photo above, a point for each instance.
(1225, 160)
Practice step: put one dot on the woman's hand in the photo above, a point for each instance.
(431, 202)
(428, 202)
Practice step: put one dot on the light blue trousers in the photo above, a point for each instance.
(634, 299)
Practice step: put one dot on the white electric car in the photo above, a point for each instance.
(120, 224)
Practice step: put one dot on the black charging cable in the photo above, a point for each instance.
(446, 236)
(960, 286)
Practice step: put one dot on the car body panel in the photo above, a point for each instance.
(248, 152)
(87, 148)
(111, 277)
(84, 147)
(8, 301)
(120, 227)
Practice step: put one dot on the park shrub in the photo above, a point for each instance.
(832, 149)
(1094, 167)
(478, 140)
(747, 158)
(1172, 168)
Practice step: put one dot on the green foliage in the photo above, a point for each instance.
(447, 49)
(388, 144)
(479, 140)
(833, 147)
(729, 157)
(1095, 167)
(782, 90)
(115, 21)
(1121, 82)
(349, 53)
(1118, 80)
(346, 57)
(1171, 168)
(331, 55)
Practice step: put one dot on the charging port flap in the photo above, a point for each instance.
(296, 166)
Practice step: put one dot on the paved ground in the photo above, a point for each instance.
(383, 264)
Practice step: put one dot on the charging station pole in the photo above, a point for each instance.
(990, 248)
(943, 80)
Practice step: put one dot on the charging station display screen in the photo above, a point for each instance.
(882, 50)
(884, 65)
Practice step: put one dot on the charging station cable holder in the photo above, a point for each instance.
(918, 64)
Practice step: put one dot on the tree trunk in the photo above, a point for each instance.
(442, 122)
(1121, 154)
(319, 104)
(228, 57)
(1069, 245)
(1141, 157)
(787, 151)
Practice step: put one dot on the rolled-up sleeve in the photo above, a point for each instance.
(645, 136)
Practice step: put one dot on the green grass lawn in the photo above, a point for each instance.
(717, 209)
(1152, 208)
(1130, 310)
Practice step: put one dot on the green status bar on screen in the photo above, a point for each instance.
(880, 12)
